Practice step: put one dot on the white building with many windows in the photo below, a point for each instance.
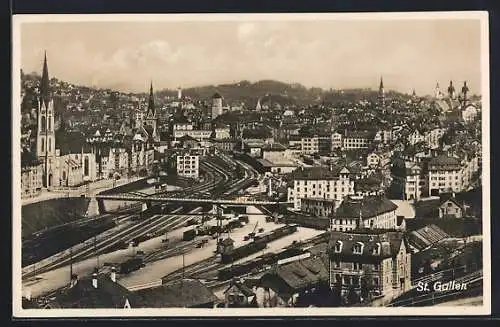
(445, 175)
(188, 165)
(319, 182)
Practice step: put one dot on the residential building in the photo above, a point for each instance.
(313, 182)
(319, 207)
(445, 175)
(188, 165)
(315, 144)
(372, 160)
(370, 263)
(222, 132)
(336, 141)
(353, 140)
(238, 295)
(182, 293)
(451, 208)
(31, 175)
(470, 112)
(364, 212)
(287, 284)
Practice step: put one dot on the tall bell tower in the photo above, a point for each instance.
(45, 137)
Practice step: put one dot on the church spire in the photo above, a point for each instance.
(151, 102)
(381, 92)
(45, 82)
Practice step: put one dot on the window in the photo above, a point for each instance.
(42, 123)
(358, 248)
(338, 246)
(357, 266)
(376, 249)
(43, 144)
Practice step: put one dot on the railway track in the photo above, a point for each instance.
(107, 241)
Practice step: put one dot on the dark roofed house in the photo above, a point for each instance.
(369, 265)
(286, 284)
(444, 162)
(96, 292)
(373, 212)
(185, 293)
(239, 295)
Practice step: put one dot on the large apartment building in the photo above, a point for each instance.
(320, 182)
(315, 144)
(188, 165)
(445, 175)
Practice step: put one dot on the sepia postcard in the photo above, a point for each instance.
(251, 165)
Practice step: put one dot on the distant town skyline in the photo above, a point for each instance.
(338, 54)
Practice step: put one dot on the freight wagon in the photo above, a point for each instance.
(276, 234)
(131, 265)
(189, 235)
(243, 251)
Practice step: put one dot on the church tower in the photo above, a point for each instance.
(451, 91)
(45, 137)
(381, 93)
(465, 90)
(151, 119)
(437, 92)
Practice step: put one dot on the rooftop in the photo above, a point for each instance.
(368, 206)
(181, 293)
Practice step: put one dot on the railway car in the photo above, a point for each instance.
(189, 235)
(131, 265)
(242, 251)
(276, 234)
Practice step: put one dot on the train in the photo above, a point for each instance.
(242, 251)
(259, 243)
(247, 267)
(277, 233)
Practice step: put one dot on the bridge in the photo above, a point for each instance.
(148, 200)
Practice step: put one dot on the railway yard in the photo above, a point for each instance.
(148, 246)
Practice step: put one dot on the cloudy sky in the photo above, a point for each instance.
(321, 53)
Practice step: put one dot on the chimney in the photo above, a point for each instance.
(27, 295)
(74, 280)
(113, 274)
(94, 278)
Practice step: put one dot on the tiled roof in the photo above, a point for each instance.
(241, 287)
(182, 293)
(108, 294)
(359, 134)
(389, 241)
(444, 162)
(369, 206)
(274, 147)
(317, 173)
(297, 275)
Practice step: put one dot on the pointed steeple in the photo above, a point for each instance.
(381, 92)
(151, 102)
(45, 82)
(381, 86)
